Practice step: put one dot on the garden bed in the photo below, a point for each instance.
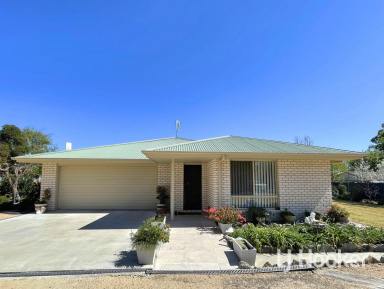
(330, 238)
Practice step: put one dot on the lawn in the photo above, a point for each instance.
(364, 213)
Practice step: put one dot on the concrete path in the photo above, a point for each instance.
(195, 245)
(69, 241)
(356, 279)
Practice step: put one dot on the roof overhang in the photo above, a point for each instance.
(161, 156)
(81, 161)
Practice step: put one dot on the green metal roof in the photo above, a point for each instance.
(131, 150)
(226, 144)
(236, 144)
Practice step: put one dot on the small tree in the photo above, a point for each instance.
(15, 142)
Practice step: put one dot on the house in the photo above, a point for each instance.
(216, 172)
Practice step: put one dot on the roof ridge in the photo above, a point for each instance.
(188, 142)
(101, 146)
(292, 143)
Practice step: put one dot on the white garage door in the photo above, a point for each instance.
(107, 187)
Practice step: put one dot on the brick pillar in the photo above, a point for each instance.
(225, 183)
(49, 180)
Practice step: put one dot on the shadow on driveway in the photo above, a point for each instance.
(127, 259)
(119, 220)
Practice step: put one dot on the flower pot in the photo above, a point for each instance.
(161, 209)
(289, 219)
(40, 208)
(244, 251)
(146, 255)
(225, 228)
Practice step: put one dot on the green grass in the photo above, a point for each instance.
(364, 213)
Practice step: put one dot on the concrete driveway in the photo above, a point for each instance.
(69, 241)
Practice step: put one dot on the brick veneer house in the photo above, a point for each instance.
(217, 172)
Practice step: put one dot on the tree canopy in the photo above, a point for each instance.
(376, 150)
(14, 142)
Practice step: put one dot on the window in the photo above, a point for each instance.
(253, 183)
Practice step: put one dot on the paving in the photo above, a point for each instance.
(195, 245)
(65, 240)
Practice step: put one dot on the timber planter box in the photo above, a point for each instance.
(244, 251)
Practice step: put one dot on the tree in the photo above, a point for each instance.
(338, 170)
(363, 174)
(15, 142)
(306, 140)
(376, 150)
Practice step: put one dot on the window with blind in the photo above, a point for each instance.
(253, 183)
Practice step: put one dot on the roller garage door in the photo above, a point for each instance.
(107, 187)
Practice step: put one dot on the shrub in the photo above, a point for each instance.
(162, 194)
(337, 214)
(45, 198)
(150, 234)
(254, 212)
(5, 199)
(287, 216)
(286, 213)
(226, 216)
(308, 237)
(281, 237)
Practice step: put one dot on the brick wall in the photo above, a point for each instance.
(204, 183)
(179, 186)
(164, 175)
(49, 180)
(212, 183)
(304, 185)
(225, 183)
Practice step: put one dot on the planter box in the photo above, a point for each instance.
(247, 254)
(225, 227)
(40, 208)
(146, 256)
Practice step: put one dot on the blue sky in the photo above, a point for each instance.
(101, 72)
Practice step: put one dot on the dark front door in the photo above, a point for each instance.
(192, 187)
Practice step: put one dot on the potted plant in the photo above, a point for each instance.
(244, 251)
(288, 217)
(42, 203)
(337, 214)
(227, 217)
(148, 239)
(162, 196)
(257, 215)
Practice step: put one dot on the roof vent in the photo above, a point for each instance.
(68, 146)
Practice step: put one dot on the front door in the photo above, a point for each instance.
(192, 187)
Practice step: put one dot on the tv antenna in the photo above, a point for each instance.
(178, 126)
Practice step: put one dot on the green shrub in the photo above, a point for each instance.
(255, 212)
(337, 214)
(150, 234)
(304, 236)
(4, 199)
